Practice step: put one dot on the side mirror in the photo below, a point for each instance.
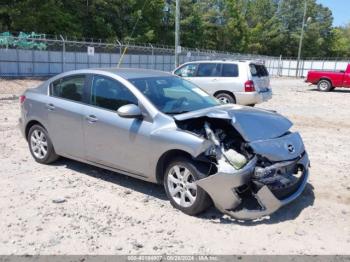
(129, 111)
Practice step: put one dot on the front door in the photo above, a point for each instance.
(111, 140)
(188, 72)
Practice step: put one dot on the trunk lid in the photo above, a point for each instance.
(260, 77)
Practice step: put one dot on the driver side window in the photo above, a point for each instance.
(110, 94)
(187, 70)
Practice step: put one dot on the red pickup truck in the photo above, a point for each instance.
(328, 80)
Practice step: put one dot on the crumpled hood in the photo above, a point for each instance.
(253, 124)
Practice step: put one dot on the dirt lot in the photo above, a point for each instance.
(108, 213)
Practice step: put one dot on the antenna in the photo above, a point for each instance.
(132, 33)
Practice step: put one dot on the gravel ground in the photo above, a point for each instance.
(74, 208)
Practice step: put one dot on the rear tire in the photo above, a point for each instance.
(324, 85)
(40, 145)
(225, 98)
(180, 188)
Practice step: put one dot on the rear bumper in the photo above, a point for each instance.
(249, 98)
(222, 189)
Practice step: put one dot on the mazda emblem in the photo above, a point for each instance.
(291, 148)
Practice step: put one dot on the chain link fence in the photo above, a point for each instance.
(289, 66)
(45, 57)
(60, 55)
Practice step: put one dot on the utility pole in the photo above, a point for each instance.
(177, 33)
(301, 38)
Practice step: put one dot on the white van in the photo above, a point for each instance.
(241, 82)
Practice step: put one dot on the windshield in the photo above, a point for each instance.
(173, 95)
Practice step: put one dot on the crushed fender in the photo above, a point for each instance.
(267, 172)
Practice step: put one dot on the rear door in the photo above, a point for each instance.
(260, 77)
(65, 115)
(208, 76)
(229, 79)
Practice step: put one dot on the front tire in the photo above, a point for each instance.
(40, 145)
(181, 189)
(324, 85)
(225, 98)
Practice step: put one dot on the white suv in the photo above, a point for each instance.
(241, 82)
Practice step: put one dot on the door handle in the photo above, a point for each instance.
(50, 107)
(91, 118)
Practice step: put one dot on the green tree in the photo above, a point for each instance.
(265, 30)
(341, 41)
(317, 31)
(269, 27)
(49, 17)
(222, 25)
(192, 28)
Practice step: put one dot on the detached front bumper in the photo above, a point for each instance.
(222, 188)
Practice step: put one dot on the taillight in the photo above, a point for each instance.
(21, 99)
(249, 86)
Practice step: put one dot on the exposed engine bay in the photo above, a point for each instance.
(251, 179)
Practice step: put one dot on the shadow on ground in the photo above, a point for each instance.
(128, 182)
(288, 212)
(340, 90)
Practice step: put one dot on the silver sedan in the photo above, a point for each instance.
(160, 128)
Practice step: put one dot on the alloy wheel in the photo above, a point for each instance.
(182, 186)
(38, 144)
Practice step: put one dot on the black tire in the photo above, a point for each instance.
(202, 199)
(252, 105)
(324, 85)
(50, 155)
(225, 98)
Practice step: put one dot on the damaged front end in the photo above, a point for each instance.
(252, 174)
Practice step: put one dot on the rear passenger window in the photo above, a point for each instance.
(209, 69)
(229, 70)
(70, 88)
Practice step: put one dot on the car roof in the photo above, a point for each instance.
(132, 73)
(225, 61)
